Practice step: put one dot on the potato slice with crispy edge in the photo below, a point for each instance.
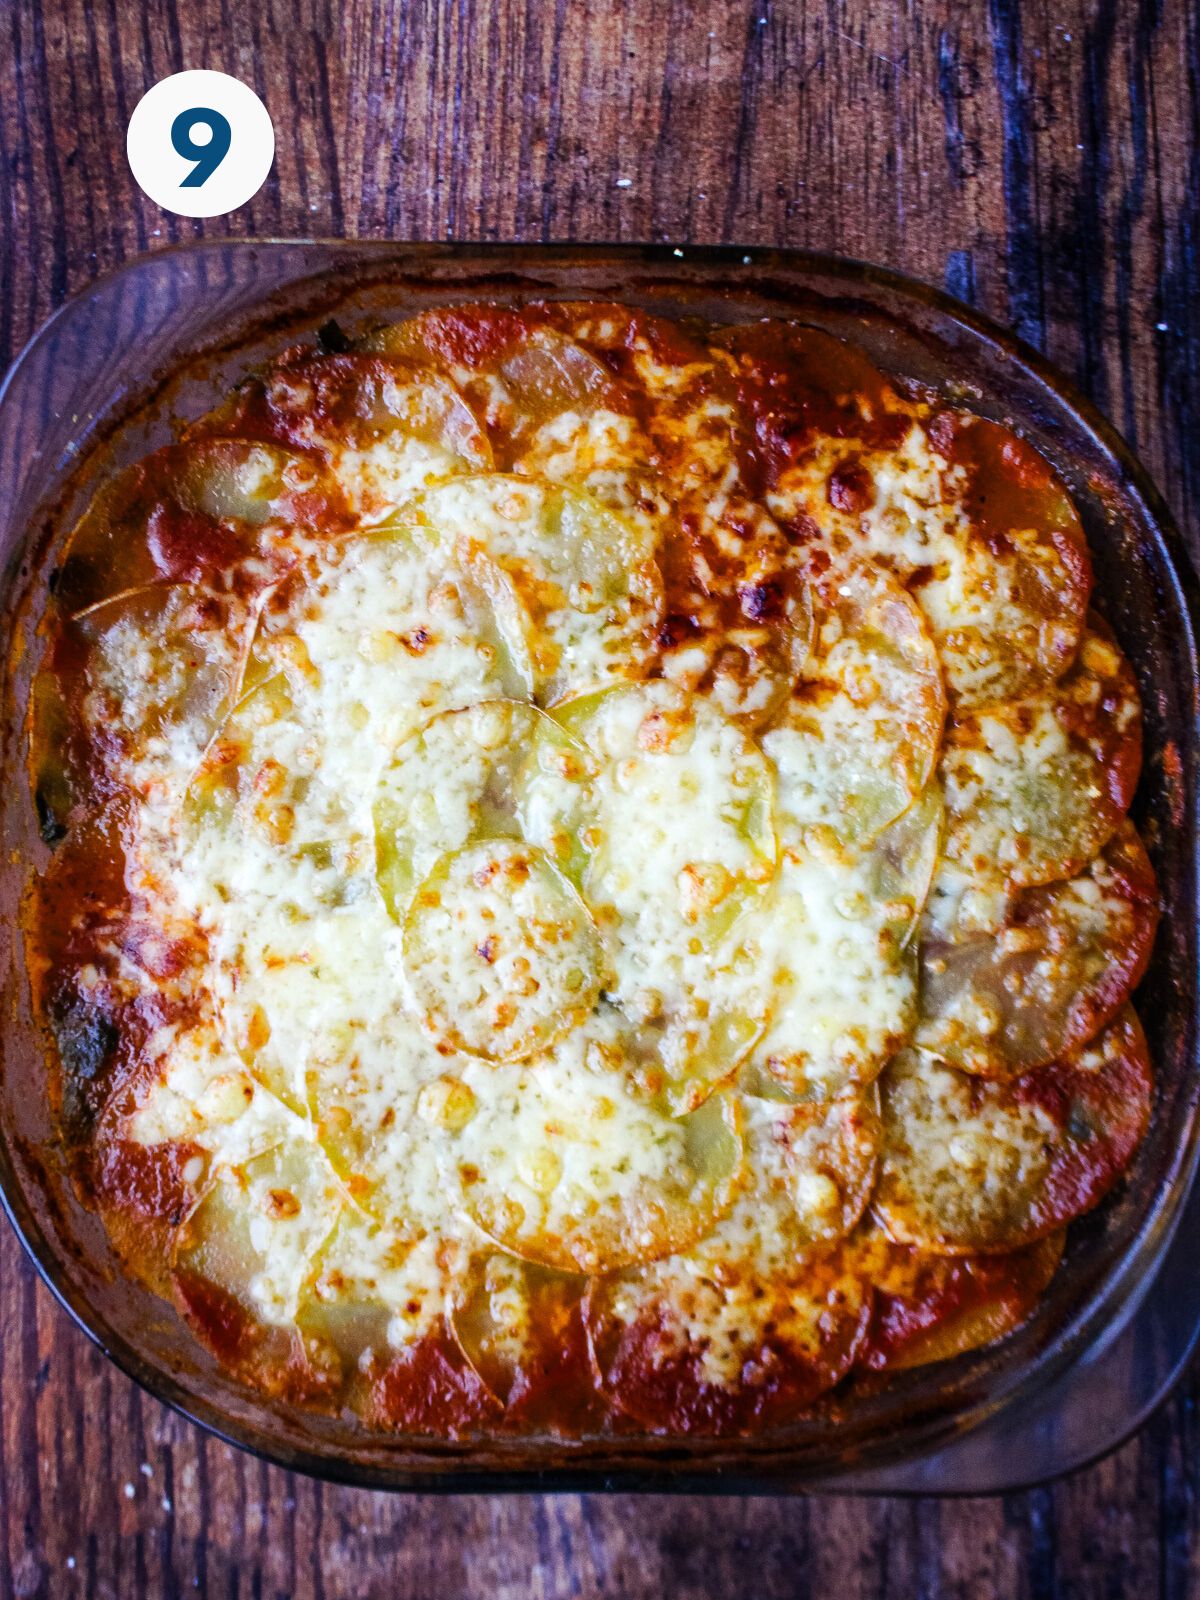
(522, 375)
(383, 430)
(974, 1165)
(1036, 787)
(796, 381)
(1065, 959)
(673, 1355)
(501, 956)
(372, 1305)
(768, 1311)
(257, 1230)
(858, 738)
(930, 1307)
(536, 1171)
(194, 513)
(277, 1360)
(1016, 507)
(961, 509)
(426, 1388)
(999, 641)
(520, 1326)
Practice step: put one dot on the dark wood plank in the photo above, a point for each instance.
(1041, 159)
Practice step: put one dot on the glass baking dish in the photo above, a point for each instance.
(160, 339)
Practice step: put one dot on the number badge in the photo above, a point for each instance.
(200, 144)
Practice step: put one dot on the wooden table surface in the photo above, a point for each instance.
(1040, 159)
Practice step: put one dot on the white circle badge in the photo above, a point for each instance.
(200, 143)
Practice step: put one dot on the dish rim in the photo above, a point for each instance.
(702, 1477)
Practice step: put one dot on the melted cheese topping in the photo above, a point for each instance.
(961, 1164)
(993, 628)
(532, 926)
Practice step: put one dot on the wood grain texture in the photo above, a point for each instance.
(1041, 159)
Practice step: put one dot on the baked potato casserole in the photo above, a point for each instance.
(590, 885)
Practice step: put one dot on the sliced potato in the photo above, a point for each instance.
(930, 1307)
(164, 666)
(797, 381)
(383, 429)
(496, 769)
(859, 736)
(571, 422)
(685, 1355)
(904, 861)
(444, 620)
(522, 372)
(203, 1096)
(380, 638)
(231, 778)
(1013, 616)
(679, 843)
(973, 1165)
(681, 832)
(1035, 788)
(281, 872)
(186, 514)
(585, 577)
(762, 1316)
(302, 1000)
(832, 949)
(520, 1327)
(892, 501)
(966, 515)
(737, 618)
(258, 1228)
(456, 340)
(1066, 958)
(701, 439)
(745, 640)
(553, 410)
(548, 375)
(521, 375)
(373, 1280)
(501, 956)
(376, 1295)
(812, 1169)
(566, 1164)
(378, 633)
(316, 1011)
(751, 665)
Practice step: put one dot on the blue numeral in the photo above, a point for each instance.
(208, 157)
